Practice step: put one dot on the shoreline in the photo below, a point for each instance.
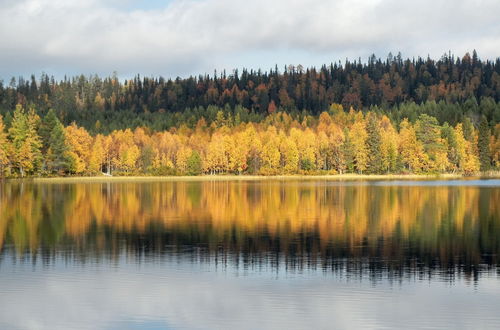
(336, 177)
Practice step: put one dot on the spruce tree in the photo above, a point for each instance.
(468, 128)
(348, 151)
(57, 152)
(374, 142)
(483, 144)
(47, 125)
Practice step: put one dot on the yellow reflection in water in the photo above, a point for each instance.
(441, 220)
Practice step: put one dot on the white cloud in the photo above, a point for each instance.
(196, 36)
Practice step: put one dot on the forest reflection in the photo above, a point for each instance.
(397, 230)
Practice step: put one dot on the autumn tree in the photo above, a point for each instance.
(216, 160)
(289, 155)
(181, 160)
(4, 149)
(358, 136)
(270, 152)
(411, 149)
(79, 142)
(336, 153)
(97, 155)
(467, 159)
(388, 146)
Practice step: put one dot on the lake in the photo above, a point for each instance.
(260, 254)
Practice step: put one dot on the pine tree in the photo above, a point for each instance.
(429, 134)
(448, 134)
(46, 126)
(34, 139)
(468, 129)
(373, 143)
(483, 145)
(348, 151)
(57, 152)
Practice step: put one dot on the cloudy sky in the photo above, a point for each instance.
(182, 37)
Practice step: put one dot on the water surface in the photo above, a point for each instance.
(250, 254)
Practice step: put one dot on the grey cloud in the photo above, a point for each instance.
(196, 36)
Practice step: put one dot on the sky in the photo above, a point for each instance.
(173, 38)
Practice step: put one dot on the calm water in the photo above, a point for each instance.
(250, 255)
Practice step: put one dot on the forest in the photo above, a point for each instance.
(391, 116)
(336, 142)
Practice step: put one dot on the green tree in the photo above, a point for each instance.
(483, 145)
(373, 143)
(429, 134)
(449, 136)
(348, 151)
(57, 154)
(46, 126)
(194, 164)
(26, 143)
(468, 129)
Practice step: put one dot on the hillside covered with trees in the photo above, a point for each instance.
(392, 116)
(449, 89)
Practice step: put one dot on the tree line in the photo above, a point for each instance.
(335, 142)
(449, 89)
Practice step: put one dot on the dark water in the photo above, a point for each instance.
(250, 255)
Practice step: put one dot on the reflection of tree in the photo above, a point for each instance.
(395, 227)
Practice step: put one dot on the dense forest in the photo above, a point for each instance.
(449, 89)
(336, 142)
(392, 116)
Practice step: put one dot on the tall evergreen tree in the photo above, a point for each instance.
(448, 134)
(374, 142)
(57, 153)
(348, 151)
(483, 144)
(46, 126)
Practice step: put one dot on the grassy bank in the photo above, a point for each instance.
(340, 177)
